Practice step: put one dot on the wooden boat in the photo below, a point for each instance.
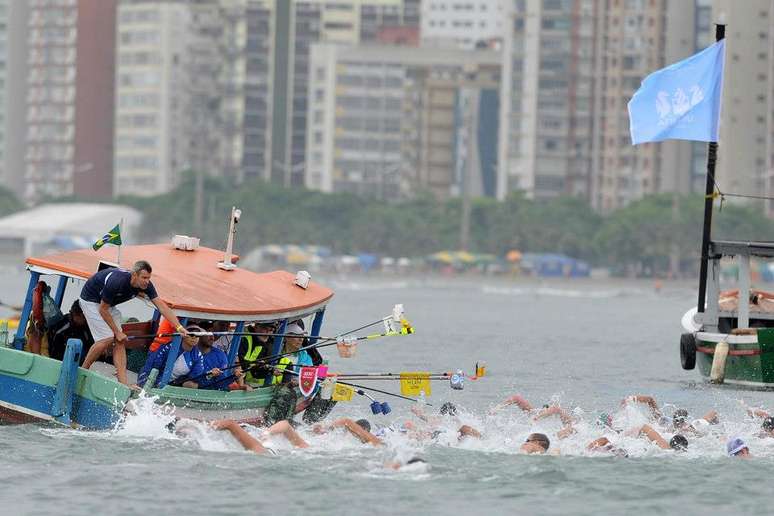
(35, 388)
(732, 338)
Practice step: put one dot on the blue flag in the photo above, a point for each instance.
(681, 101)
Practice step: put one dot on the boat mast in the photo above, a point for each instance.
(712, 152)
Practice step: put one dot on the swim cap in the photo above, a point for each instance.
(768, 424)
(364, 424)
(414, 460)
(734, 446)
(605, 419)
(448, 408)
(679, 443)
(679, 417)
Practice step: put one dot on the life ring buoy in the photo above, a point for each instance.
(687, 351)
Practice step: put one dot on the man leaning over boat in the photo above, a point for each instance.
(99, 297)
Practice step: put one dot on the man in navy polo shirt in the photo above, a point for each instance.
(99, 296)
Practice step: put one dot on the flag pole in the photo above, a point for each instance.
(712, 153)
(120, 223)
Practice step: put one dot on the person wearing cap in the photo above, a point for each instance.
(736, 447)
(254, 348)
(203, 367)
(360, 429)
(157, 359)
(249, 442)
(767, 427)
(536, 444)
(678, 442)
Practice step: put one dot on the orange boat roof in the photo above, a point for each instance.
(192, 284)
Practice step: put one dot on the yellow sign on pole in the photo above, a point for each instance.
(413, 383)
(342, 392)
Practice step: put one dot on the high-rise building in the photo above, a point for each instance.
(69, 100)
(746, 152)
(13, 89)
(152, 96)
(635, 38)
(463, 23)
(569, 69)
(547, 96)
(385, 121)
(297, 25)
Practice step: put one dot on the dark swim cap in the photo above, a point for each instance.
(449, 408)
(679, 417)
(679, 443)
(768, 424)
(364, 424)
(415, 460)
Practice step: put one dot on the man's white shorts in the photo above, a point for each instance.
(97, 325)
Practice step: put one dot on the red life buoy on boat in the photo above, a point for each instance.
(38, 319)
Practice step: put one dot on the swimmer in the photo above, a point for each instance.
(677, 443)
(360, 429)
(247, 441)
(650, 401)
(603, 445)
(680, 421)
(396, 465)
(535, 444)
(736, 447)
(447, 411)
(251, 443)
(767, 428)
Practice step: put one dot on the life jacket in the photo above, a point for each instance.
(251, 355)
(282, 364)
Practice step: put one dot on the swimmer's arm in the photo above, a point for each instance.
(515, 400)
(565, 432)
(654, 436)
(284, 428)
(598, 443)
(757, 413)
(468, 431)
(246, 440)
(650, 401)
(358, 431)
(565, 416)
(419, 412)
(711, 417)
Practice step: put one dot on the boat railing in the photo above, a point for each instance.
(742, 250)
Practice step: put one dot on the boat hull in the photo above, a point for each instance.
(29, 384)
(750, 361)
(29, 390)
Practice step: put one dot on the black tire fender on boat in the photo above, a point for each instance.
(688, 351)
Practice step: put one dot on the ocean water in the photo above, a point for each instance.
(582, 344)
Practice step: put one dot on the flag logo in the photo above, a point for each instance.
(681, 101)
(342, 392)
(307, 381)
(111, 237)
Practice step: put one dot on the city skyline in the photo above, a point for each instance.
(121, 97)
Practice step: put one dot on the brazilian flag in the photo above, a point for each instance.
(112, 237)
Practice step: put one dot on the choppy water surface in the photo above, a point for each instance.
(583, 344)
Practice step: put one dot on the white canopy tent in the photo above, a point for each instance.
(62, 226)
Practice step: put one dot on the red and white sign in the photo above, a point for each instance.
(307, 381)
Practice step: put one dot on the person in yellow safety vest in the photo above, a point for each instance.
(295, 339)
(255, 347)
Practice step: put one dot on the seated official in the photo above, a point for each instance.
(72, 326)
(157, 359)
(253, 348)
(204, 367)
